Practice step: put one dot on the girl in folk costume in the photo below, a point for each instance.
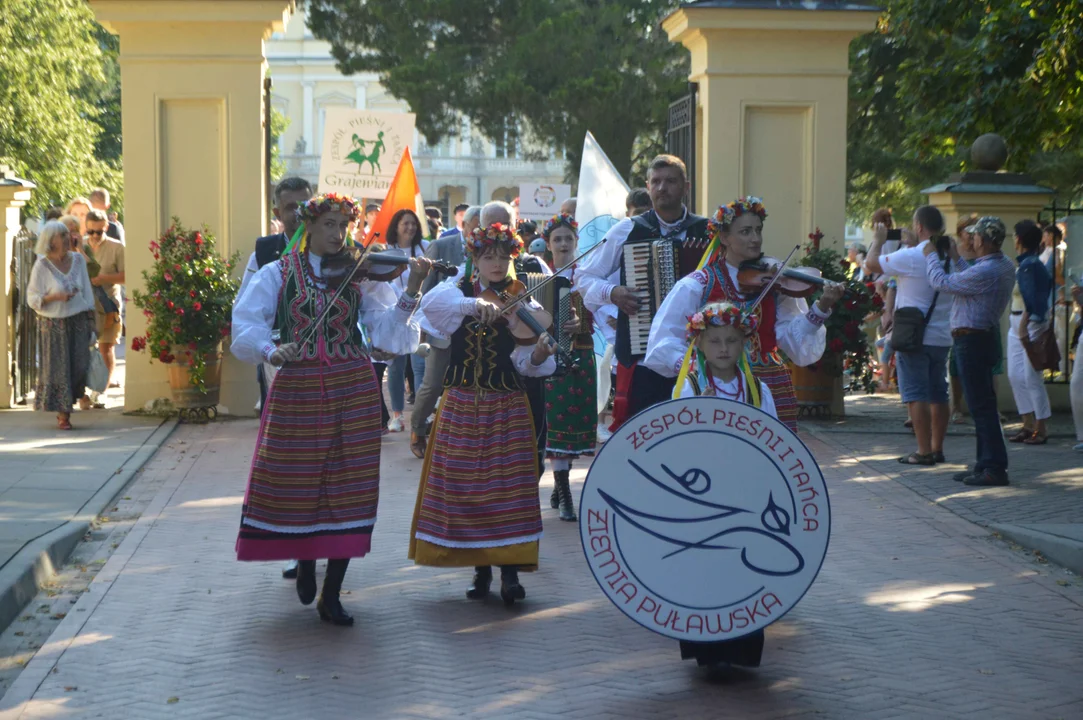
(719, 332)
(720, 368)
(315, 477)
(571, 398)
(787, 328)
(477, 504)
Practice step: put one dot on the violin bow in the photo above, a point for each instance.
(551, 278)
(338, 293)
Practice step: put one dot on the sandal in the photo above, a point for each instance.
(909, 424)
(1036, 439)
(938, 457)
(1021, 436)
(63, 423)
(916, 458)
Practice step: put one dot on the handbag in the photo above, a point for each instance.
(908, 331)
(97, 375)
(1043, 352)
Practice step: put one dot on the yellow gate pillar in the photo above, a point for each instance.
(986, 190)
(14, 193)
(192, 110)
(772, 101)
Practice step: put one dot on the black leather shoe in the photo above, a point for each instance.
(564, 491)
(290, 571)
(510, 589)
(554, 499)
(306, 581)
(479, 588)
(331, 610)
(963, 476)
(986, 479)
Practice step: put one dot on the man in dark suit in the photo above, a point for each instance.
(451, 248)
(289, 194)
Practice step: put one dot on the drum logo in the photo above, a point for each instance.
(704, 519)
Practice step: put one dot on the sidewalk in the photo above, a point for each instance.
(1042, 509)
(53, 483)
(916, 614)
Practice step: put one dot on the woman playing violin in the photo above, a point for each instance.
(785, 324)
(477, 503)
(314, 484)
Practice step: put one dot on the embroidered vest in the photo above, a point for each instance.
(302, 300)
(763, 346)
(481, 354)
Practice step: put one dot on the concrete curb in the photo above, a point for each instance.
(1057, 547)
(22, 577)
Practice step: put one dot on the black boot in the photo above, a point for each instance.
(554, 499)
(483, 578)
(329, 607)
(564, 490)
(306, 581)
(510, 589)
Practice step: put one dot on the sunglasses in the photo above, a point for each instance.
(95, 232)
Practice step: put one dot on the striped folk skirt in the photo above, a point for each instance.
(571, 405)
(478, 499)
(777, 377)
(315, 478)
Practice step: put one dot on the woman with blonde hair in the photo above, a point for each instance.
(79, 207)
(59, 291)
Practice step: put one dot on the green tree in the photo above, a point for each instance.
(52, 94)
(938, 73)
(279, 124)
(555, 68)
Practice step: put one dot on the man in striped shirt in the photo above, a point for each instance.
(982, 288)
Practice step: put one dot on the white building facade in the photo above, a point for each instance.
(465, 169)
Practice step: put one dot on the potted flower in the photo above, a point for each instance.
(848, 351)
(188, 300)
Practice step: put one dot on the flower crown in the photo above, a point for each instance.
(562, 220)
(496, 235)
(728, 213)
(721, 314)
(331, 202)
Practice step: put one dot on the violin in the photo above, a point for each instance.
(752, 275)
(338, 267)
(532, 322)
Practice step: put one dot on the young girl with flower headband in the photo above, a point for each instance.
(720, 366)
(477, 503)
(571, 398)
(787, 328)
(314, 484)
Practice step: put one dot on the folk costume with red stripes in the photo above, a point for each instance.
(477, 503)
(638, 386)
(315, 478)
(787, 328)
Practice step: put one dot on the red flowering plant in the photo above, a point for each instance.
(188, 299)
(848, 347)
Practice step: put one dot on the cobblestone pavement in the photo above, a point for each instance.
(1046, 480)
(916, 614)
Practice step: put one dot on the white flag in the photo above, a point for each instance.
(602, 192)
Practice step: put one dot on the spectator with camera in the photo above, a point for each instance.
(921, 333)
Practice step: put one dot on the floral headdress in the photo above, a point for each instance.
(728, 213)
(331, 202)
(496, 235)
(562, 220)
(720, 315)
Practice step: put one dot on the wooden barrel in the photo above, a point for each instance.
(814, 389)
(185, 394)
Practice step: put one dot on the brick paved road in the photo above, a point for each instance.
(916, 614)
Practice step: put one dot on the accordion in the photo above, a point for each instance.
(652, 266)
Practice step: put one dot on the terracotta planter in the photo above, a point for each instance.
(815, 390)
(185, 394)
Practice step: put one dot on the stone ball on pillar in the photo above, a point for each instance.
(989, 153)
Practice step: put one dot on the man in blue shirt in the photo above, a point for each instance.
(982, 288)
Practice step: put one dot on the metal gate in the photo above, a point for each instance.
(24, 365)
(1065, 319)
(681, 137)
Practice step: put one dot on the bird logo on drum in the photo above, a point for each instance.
(704, 519)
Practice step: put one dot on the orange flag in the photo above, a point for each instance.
(404, 192)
